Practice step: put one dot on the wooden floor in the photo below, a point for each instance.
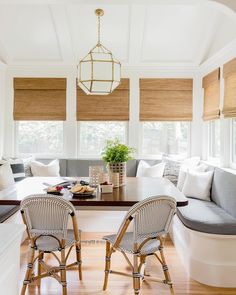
(93, 266)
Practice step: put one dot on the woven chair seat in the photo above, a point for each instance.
(50, 244)
(127, 244)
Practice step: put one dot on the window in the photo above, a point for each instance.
(93, 136)
(39, 137)
(214, 139)
(233, 142)
(165, 137)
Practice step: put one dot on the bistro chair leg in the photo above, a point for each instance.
(136, 276)
(78, 258)
(29, 270)
(41, 255)
(63, 272)
(107, 264)
(165, 268)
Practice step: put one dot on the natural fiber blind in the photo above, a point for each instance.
(166, 99)
(40, 99)
(112, 107)
(229, 109)
(211, 85)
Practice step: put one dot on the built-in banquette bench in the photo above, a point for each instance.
(204, 233)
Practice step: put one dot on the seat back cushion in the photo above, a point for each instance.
(223, 191)
(79, 167)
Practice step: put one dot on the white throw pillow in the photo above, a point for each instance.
(6, 176)
(40, 169)
(193, 161)
(27, 162)
(146, 170)
(198, 185)
(183, 172)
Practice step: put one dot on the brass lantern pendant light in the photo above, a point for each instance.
(99, 72)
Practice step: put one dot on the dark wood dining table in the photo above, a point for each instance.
(135, 190)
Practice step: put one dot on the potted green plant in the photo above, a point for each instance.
(115, 155)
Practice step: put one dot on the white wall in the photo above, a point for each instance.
(70, 125)
(2, 105)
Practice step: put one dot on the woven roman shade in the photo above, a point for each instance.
(165, 99)
(111, 107)
(40, 99)
(211, 85)
(229, 109)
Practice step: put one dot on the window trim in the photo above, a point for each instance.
(215, 161)
(141, 155)
(92, 156)
(232, 163)
(17, 154)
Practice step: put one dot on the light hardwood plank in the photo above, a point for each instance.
(93, 250)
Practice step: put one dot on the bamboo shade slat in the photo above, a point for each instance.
(40, 99)
(211, 85)
(111, 107)
(166, 99)
(229, 108)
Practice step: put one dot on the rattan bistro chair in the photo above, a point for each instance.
(151, 221)
(46, 218)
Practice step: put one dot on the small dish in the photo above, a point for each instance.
(55, 193)
(84, 195)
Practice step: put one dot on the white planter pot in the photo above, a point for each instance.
(118, 168)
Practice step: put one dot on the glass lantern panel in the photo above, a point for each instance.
(102, 71)
(85, 86)
(114, 85)
(115, 60)
(85, 71)
(116, 71)
(87, 57)
(100, 87)
(101, 56)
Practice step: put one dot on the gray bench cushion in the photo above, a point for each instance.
(207, 217)
(7, 211)
(223, 191)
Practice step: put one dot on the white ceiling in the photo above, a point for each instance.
(138, 32)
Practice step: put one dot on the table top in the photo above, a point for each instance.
(135, 190)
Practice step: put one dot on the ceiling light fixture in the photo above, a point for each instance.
(99, 72)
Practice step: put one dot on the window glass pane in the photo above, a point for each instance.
(214, 139)
(165, 137)
(40, 137)
(234, 140)
(93, 135)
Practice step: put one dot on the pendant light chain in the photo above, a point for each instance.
(99, 72)
(99, 28)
